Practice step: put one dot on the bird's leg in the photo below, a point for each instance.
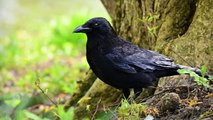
(137, 92)
(126, 92)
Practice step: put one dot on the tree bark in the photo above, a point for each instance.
(172, 27)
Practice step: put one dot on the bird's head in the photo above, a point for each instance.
(96, 25)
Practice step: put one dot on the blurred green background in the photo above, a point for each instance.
(37, 44)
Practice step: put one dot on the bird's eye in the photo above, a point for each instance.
(96, 24)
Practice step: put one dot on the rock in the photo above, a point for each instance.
(169, 102)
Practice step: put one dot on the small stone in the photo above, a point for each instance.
(169, 102)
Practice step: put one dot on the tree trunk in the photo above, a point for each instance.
(172, 27)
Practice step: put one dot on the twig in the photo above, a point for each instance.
(143, 100)
(180, 57)
(96, 109)
(166, 89)
(114, 111)
(37, 83)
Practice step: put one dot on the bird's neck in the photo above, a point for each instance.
(102, 43)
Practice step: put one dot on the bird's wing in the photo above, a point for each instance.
(150, 60)
(120, 64)
(139, 60)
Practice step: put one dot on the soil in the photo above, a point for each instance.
(184, 103)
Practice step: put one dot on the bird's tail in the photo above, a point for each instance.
(196, 70)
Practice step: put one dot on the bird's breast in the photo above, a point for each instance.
(97, 62)
(102, 67)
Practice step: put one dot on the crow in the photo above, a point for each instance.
(122, 64)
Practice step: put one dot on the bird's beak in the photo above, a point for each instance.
(81, 29)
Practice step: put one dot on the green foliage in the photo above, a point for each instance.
(31, 116)
(150, 23)
(210, 77)
(56, 40)
(50, 49)
(106, 115)
(200, 80)
(124, 109)
(41, 42)
(64, 115)
(132, 111)
(62, 32)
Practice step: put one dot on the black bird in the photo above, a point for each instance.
(121, 64)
